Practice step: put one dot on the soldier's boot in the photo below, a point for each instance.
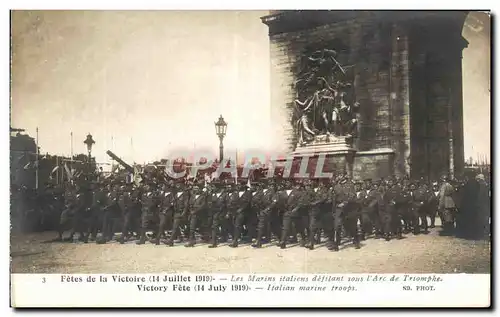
(433, 222)
(142, 239)
(302, 240)
(424, 225)
(81, 237)
(192, 240)
(399, 233)
(336, 240)
(378, 235)
(387, 236)
(258, 241)
(86, 238)
(310, 244)
(416, 228)
(329, 243)
(284, 236)
(213, 242)
(318, 237)
(236, 237)
(356, 242)
(169, 242)
(101, 240)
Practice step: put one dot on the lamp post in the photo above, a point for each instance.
(220, 130)
(89, 142)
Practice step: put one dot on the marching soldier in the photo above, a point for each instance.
(181, 209)
(166, 212)
(320, 207)
(70, 203)
(242, 213)
(98, 200)
(266, 204)
(149, 212)
(127, 203)
(345, 212)
(369, 218)
(82, 199)
(197, 206)
(110, 213)
(220, 200)
(296, 203)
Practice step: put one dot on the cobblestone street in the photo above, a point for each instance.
(431, 253)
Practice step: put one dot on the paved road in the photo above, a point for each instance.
(415, 254)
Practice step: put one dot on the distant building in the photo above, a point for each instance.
(22, 155)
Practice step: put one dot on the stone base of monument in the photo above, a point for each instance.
(340, 156)
(337, 152)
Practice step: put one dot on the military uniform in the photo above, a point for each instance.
(345, 213)
(166, 213)
(220, 200)
(318, 214)
(79, 209)
(265, 201)
(390, 219)
(241, 214)
(98, 201)
(67, 212)
(369, 211)
(110, 212)
(298, 200)
(197, 206)
(150, 202)
(181, 209)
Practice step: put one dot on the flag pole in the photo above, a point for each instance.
(71, 150)
(236, 167)
(57, 170)
(112, 159)
(36, 171)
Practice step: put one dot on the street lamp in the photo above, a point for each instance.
(220, 130)
(89, 142)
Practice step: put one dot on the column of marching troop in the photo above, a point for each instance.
(305, 211)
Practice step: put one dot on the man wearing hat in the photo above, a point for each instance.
(219, 198)
(241, 213)
(149, 211)
(197, 206)
(166, 199)
(321, 205)
(297, 202)
(181, 210)
(267, 207)
(95, 219)
(345, 213)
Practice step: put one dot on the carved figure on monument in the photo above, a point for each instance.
(325, 111)
(305, 133)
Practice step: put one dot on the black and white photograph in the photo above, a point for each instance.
(292, 142)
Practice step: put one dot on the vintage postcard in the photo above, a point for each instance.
(287, 158)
